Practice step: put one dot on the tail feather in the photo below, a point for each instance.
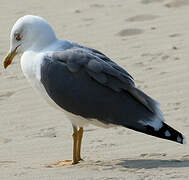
(166, 132)
(151, 104)
(154, 125)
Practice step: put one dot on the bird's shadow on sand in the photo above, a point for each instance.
(137, 163)
(153, 163)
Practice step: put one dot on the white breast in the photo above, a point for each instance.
(30, 64)
(31, 67)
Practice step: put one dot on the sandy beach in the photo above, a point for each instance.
(150, 39)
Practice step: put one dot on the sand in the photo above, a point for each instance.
(150, 38)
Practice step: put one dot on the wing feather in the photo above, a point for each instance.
(104, 71)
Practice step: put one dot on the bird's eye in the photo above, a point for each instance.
(18, 37)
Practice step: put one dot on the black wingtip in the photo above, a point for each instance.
(166, 132)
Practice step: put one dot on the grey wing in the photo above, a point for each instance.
(106, 59)
(84, 84)
(103, 72)
(106, 72)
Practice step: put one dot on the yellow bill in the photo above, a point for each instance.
(9, 58)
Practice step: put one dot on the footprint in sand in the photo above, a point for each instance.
(139, 64)
(4, 95)
(88, 19)
(46, 132)
(174, 106)
(96, 5)
(165, 57)
(142, 17)
(163, 73)
(4, 140)
(177, 3)
(130, 32)
(155, 57)
(174, 35)
(151, 1)
(153, 154)
(77, 11)
(149, 68)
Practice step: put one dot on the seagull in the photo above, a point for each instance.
(84, 84)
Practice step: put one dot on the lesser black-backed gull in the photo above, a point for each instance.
(84, 83)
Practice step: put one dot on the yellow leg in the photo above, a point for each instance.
(75, 147)
(75, 159)
(80, 136)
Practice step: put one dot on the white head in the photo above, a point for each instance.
(29, 33)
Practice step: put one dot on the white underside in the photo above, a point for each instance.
(30, 64)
